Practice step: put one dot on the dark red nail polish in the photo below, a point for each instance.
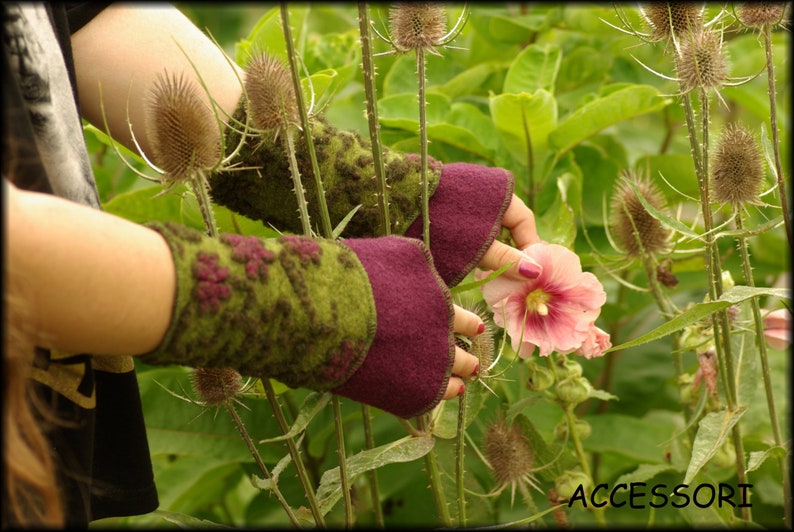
(480, 328)
(476, 370)
(527, 269)
(462, 389)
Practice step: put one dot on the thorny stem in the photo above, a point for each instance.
(258, 459)
(198, 182)
(775, 141)
(761, 345)
(340, 451)
(300, 467)
(420, 77)
(303, 207)
(598, 513)
(368, 68)
(325, 217)
(459, 469)
(369, 442)
(435, 478)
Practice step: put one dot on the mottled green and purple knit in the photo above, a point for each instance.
(296, 309)
(261, 186)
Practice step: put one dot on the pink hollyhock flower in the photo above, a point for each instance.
(777, 328)
(554, 312)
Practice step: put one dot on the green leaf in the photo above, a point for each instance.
(757, 458)
(403, 450)
(699, 311)
(446, 426)
(188, 521)
(523, 120)
(312, 404)
(402, 110)
(470, 80)
(617, 106)
(147, 205)
(535, 68)
(644, 473)
(712, 431)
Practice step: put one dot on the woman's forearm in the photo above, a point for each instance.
(123, 50)
(94, 282)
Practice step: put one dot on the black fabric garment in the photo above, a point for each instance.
(102, 451)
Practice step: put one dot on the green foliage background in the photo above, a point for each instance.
(559, 72)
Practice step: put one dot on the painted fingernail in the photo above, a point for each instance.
(527, 269)
(480, 328)
(476, 370)
(461, 390)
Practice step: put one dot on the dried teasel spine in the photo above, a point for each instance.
(737, 167)
(637, 232)
(480, 345)
(216, 386)
(415, 25)
(700, 61)
(184, 133)
(271, 95)
(672, 19)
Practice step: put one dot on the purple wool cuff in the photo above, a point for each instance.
(409, 363)
(466, 213)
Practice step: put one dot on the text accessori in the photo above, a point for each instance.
(636, 495)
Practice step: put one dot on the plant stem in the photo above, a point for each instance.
(303, 207)
(420, 77)
(198, 182)
(765, 373)
(294, 452)
(369, 442)
(258, 459)
(775, 140)
(325, 218)
(460, 449)
(368, 68)
(436, 488)
(598, 513)
(340, 451)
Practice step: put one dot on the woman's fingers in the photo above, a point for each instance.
(466, 365)
(467, 322)
(520, 220)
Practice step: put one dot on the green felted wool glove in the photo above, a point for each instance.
(296, 309)
(261, 187)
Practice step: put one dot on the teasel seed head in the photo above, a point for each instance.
(737, 167)
(636, 231)
(184, 133)
(216, 386)
(700, 61)
(416, 25)
(761, 15)
(673, 19)
(508, 452)
(271, 94)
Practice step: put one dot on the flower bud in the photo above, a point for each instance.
(737, 167)
(573, 391)
(184, 134)
(415, 25)
(216, 385)
(700, 61)
(581, 427)
(667, 19)
(777, 329)
(508, 452)
(540, 377)
(271, 95)
(761, 14)
(636, 231)
(568, 483)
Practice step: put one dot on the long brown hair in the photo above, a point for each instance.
(30, 492)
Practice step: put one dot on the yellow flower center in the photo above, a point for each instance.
(536, 302)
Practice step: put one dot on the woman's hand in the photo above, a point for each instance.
(520, 220)
(466, 365)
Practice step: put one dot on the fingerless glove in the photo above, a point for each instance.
(465, 209)
(368, 319)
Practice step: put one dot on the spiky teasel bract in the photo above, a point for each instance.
(510, 457)
(216, 386)
(668, 20)
(700, 61)
(415, 25)
(185, 136)
(636, 230)
(760, 15)
(737, 167)
(270, 93)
